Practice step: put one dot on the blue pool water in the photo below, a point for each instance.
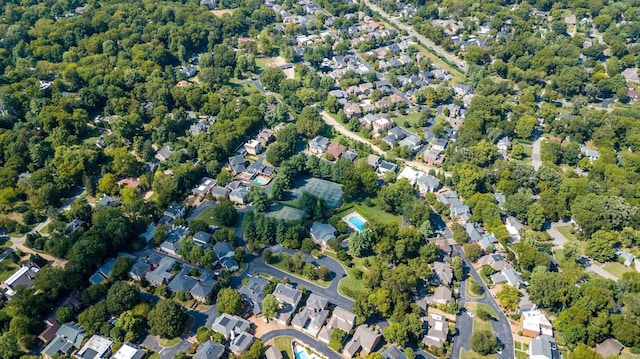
(302, 354)
(357, 222)
(260, 181)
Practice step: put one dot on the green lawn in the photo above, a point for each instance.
(479, 324)
(468, 289)
(280, 266)
(370, 212)
(566, 232)
(284, 344)
(617, 269)
(473, 355)
(168, 343)
(207, 216)
(350, 286)
(412, 118)
(7, 268)
(527, 150)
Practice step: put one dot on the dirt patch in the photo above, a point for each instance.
(263, 328)
(220, 13)
(291, 73)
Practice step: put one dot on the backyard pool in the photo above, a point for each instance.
(261, 180)
(301, 353)
(355, 221)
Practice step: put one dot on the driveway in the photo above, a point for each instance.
(536, 160)
(152, 342)
(558, 239)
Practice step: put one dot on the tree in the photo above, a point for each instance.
(108, 184)
(270, 306)
(458, 268)
(167, 319)
(483, 342)
(601, 246)
(229, 301)
(361, 244)
(9, 346)
(584, 352)
(483, 314)
(225, 213)
(120, 269)
(459, 234)
(256, 351)
(508, 297)
(525, 126)
(472, 251)
(64, 315)
(337, 339)
(271, 78)
(122, 296)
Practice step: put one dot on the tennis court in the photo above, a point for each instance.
(330, 191)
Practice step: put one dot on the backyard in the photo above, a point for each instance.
(369, 212)
(284, 344)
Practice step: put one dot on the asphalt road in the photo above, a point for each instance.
(501, 327)
(426, 42)
(464, 324)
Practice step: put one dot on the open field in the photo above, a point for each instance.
(221, 12)
(411, 118)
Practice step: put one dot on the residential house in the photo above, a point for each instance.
(543, 347)
(74, 226)
(443, 272)
(239, 196)
(462, 90)
(609, 348)
(461, 211)
(443, 244)
(130, 351)
(265, 136)
(203, 239)
(219, 192)
(474, 231)
(507, 275)
(352, 110)
(504, 144)
(433, 157)
(627, 257)
(203, 289)
(199, 127)
(514, 227)
(494, 260)
(172, 244)
(183, 281)
(336, 150)
(241, 343)
(69, 336)
(442, 295)
(364, 341)
(107, 201)
(209, 350)
(96, 348)
(426, 183)
(373, 161)
(319, 144)
(534, 323)
(393, 352)
(204, 187)
(592, 155)
(253, 147)
(175, 211)
(139, 269)
(289, 298)
(161, 273)
(23, 277)
(253, 293)
(230, 325)
(342, 319)
(439, 144)
(272, 352)
(385, 167)
(322, 233)
(237, 164)
(312, 317)
(164, 153)
(223, 250)
(230, 264)
(436, 332)
(104, 272)
(381, 124)
(350, 154)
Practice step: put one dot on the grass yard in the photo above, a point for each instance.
(616, 269)
(207, 216)
(527, 150)
(521, 350)
(566, 232)
(154, 356)
(468, 289)
(350, 286)
(168, 343)
(284, 344)
(521, 355)
(370, 212)
(280, 265)
(627, 354)
(7, 268)
(479, 324)
(412, 118)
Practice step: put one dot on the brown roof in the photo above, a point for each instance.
(336, 150)
(609, 347)
(129, 182)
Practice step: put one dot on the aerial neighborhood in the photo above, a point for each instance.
(319, 179)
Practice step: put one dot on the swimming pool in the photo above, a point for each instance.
(302, 354)
(357, 222)
(260, 180)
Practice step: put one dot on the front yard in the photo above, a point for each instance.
(616, 269)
